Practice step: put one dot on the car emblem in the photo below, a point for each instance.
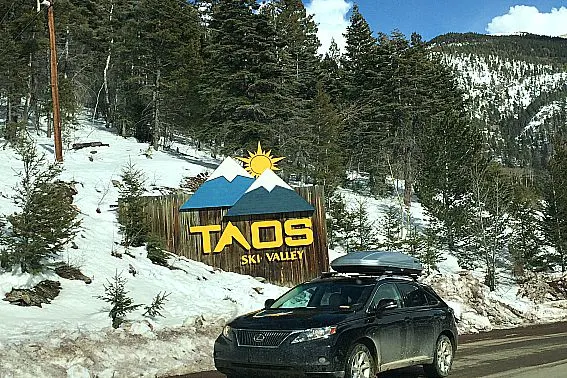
(259, 338)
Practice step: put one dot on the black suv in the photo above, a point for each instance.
(342, 325)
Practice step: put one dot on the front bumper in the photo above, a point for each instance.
(317, 358)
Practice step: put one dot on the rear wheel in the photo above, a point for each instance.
(360, 363)
(442, 360)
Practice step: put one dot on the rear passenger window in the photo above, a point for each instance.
(432, 299)
(412, 295)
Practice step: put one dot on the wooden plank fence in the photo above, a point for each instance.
(173, 227)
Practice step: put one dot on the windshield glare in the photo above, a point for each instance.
(328, 294)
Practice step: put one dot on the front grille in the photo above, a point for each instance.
(272, 339)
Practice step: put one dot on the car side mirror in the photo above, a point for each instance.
(269, 303)
(386, 304)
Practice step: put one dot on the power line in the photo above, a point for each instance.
(29, 23)
(8, 12)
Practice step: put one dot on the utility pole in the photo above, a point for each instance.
(54, 82)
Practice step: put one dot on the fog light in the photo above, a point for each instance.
(322, 360)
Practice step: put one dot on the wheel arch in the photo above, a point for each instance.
(372, 347)
(451, 337)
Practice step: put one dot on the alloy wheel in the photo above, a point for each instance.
(444, 355)
(361, 366)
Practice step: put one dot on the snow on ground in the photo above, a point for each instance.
(73, 336)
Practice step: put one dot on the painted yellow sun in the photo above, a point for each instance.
(259, 161)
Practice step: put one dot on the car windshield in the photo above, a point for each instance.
(326, 294)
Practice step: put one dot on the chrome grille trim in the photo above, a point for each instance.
(261, 338)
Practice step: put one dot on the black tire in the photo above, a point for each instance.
(442, 358)
(360, 362)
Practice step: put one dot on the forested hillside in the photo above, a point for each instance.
(441, 116)
(517, 87)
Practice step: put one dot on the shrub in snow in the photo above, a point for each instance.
(156, 307)
(47, 220)
(133, 224)
(115, 293)
(156, 253)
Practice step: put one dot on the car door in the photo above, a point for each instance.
(388, 328)
(423, 323)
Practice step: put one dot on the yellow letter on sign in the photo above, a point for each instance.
(255, 230)
(231, 232)
(306, 232)
(206, 234)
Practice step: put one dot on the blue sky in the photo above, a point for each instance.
(434, 17)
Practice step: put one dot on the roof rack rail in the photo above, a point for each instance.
(378, 274)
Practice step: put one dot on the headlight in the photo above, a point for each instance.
(227, 332)
(314, 334)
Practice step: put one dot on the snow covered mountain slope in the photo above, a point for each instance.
(516, 87)
(72, 336)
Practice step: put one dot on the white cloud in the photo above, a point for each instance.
(331, 19)
(523, 18)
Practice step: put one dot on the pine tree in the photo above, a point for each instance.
(133, 224)
(428, 251)
(391, 227)
(486, 237)
(326, 163)
(47, 220)
(116, 294)
(364, 235)
(340, 223)
(526, 244)
(364, 131)
(295, 46)
(154, 310)
(240, 79)
(555, 212)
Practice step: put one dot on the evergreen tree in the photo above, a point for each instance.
(340, 222)
(158, 65)
(331, 73)
(116, 294)
(363, 94)
(364, 235)
(555, 212)
(239, 82)
(133, 223)
(391, 228)
(47, 220)
(154, 310)
(449, 149)
(326, 163)
(428, 251)
(526, 244)
(486, 238)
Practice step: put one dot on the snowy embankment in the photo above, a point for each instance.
(72, 336)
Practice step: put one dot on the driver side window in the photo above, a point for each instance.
(385, 291)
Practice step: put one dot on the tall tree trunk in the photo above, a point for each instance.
(29, 93)
(109, 113)
(8, 109)
(49, 113)
(155, 100)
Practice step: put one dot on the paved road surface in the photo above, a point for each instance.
(531, 352)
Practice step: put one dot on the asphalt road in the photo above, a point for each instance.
(530, 352)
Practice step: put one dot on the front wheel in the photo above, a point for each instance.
(442, 360)
(360, 363)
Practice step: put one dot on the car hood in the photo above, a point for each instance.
(291, 319)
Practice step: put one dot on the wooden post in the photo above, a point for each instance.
(54, 85)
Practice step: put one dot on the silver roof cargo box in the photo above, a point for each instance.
(377, 262)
